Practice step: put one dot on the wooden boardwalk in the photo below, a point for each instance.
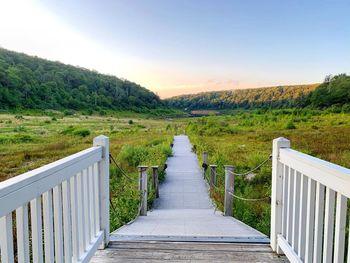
(182, 215)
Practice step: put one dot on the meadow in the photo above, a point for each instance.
(30, 141)
(244, 139)
(241, 138)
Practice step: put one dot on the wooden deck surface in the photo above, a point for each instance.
(154, 251)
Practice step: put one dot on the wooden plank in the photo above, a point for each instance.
(37, 241)
(319, 215)
(185, 252)
(6, 239)
(310, 220)
(67, 224)
(48, 227)
(58, 225)
(302, 216)
(328, 226)
(22, 233)
(17, 190)
(331, 175)
(340, 221)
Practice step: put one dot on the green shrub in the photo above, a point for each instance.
(82, 132)
(19, 129)
(68, 113)
(290, 125)
(19, 117)
(131, 122)
(18, 138)
(68, 130)
(133, 155)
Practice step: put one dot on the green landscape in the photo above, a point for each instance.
(50, 110)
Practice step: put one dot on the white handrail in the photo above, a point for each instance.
(308, 206)
(69, 203)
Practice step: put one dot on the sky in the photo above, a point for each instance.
(177, 47)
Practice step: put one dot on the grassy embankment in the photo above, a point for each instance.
(244, 139)
(30, 141)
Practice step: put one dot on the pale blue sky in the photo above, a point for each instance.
(174, 47)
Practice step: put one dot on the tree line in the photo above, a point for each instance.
(334, 91)
(28, 82)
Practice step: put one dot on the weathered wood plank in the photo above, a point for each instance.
(186, 251)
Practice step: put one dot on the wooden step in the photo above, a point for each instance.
(155, 251)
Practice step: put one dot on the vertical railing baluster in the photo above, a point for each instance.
(6, 239)
(310, 220)
(328, 225)
(92, 203)
(58, 225)
(340, 221)
(74, 210)
(48, 226)
(81, 215)
(296, 210)
(67, 223)
(22, 228)
(302, 216)
(86, 207)
(36, 220)
(285, 170)
(290, 206)
(319, 215)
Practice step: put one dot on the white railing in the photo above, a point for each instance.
(68, 202)
(308, 207)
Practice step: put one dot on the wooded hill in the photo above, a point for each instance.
(270, 97)
(28, 82)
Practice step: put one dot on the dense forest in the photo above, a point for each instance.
(28, 82)
(333, 92)
(271, 97)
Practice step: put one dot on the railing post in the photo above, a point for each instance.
(155, 180)
(103, 171)
(212, 176)
(229, 189)
(276, 192)
(205, 163)
(143, 189)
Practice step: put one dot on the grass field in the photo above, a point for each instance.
(243, 138)
(28, 142)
